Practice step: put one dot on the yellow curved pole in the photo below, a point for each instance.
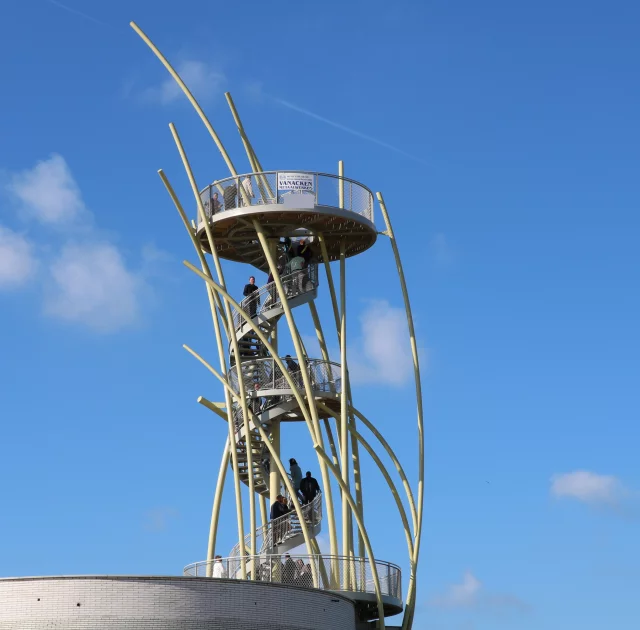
(344, 444)
(194, 188)
(410, 607)
(196, 244)
(392, 487)
(363, 531)
(321, 339)
(187, 93)
(295, 336)
(325, 357)
(275, 458)
(396, 462)
(251, 154)
(217, 500)
(332, 287)
(263, 511)
(234, 339)
(216, 326)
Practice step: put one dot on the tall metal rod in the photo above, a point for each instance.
(181, 84)
(197, 247)
(234, 341)
(217, 500)
(332, 288)
(344, 443)
(206, 273)
(325, 357)
(385, 473)
(355, 453)
(411, 596)
(295, 336)
(251, 154)
(264, 512)
(396, 462)
(361, 526)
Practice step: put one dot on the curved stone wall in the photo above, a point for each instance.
(166, 603)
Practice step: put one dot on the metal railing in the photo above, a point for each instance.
(282, 529)
(281, 187)
(267, 297)
(266, 375)
(335, 573)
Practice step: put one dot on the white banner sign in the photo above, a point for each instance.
(300, 182)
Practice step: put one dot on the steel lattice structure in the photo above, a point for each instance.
(248, 218)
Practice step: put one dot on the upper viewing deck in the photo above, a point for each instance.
(287, 204)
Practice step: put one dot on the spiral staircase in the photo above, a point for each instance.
(270, 399)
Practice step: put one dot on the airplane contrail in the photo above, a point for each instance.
(353, 132)
(76, 12)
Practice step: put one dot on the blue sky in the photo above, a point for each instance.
(511, 174)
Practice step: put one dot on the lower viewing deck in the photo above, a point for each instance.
(350, 577)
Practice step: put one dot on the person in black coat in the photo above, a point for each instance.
(309, 487)
(279, 509)
(252, 302)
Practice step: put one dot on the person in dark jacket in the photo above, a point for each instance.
(296, 476)
(253, 300)
(294, 371)
(289, 570)
(278, 509)
(309, 487)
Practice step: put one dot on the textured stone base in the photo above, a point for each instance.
(167, 603)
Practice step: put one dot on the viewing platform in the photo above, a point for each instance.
(294, 204)
(350, 577)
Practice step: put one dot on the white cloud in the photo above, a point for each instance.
(48, 192)
(471, 594)
(17, 262)
(588, 487)
(91, 285)
(463, 595)
(382, 353)
(202, 79)
(87, 281)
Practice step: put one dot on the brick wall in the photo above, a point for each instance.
(166, 603)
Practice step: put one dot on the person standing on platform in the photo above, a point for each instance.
(215, 204)
(247, 186)
(279, 509)
(218, 568)
(296, 284)
(309, 487)
(254, 300)
(288, 570)
(296, 477)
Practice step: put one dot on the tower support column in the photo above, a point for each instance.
(275, 482)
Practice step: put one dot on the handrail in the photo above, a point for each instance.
(284, 527)
(271, 187)
(267, 297)
(296, 570)
(264, 374)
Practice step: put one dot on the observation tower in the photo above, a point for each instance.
(292, 225)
